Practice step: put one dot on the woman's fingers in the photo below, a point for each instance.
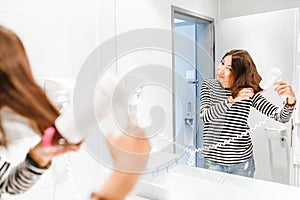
(283, 88)
(59, 149)
(67, 148)
(244, 93)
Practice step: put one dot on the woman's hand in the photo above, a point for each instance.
(244, 93)
(130, 152)
(43, 155)
(285, 89)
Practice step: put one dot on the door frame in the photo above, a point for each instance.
(200, 18)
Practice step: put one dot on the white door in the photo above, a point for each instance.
(270, 38)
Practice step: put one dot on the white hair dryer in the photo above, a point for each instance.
(65, 123)
(273, 75)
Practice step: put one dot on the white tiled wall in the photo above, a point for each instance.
(58, 35)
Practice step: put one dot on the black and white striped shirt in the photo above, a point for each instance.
(20, 178)
(17, 178)
(226, 138)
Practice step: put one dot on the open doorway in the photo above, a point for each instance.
(186, 119)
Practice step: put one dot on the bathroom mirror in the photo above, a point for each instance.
(269, 44)
(263, 37)
(260, 31)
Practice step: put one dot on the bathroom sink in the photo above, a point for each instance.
(184, 182)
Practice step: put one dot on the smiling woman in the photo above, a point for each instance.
(225, 71)
(237, 70)
(225, 107)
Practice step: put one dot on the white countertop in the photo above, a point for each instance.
(184, 182)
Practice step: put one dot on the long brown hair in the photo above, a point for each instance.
(244, 72)
(18, 89)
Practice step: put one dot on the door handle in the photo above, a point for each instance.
(189, 117)
(194, 82)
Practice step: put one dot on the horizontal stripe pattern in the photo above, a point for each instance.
(20, 178)
(226, 138)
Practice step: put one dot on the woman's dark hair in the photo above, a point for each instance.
(18, 89)
(244, 72)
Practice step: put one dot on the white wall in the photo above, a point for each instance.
(58, 37)
(234, 8)
(133, 14)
